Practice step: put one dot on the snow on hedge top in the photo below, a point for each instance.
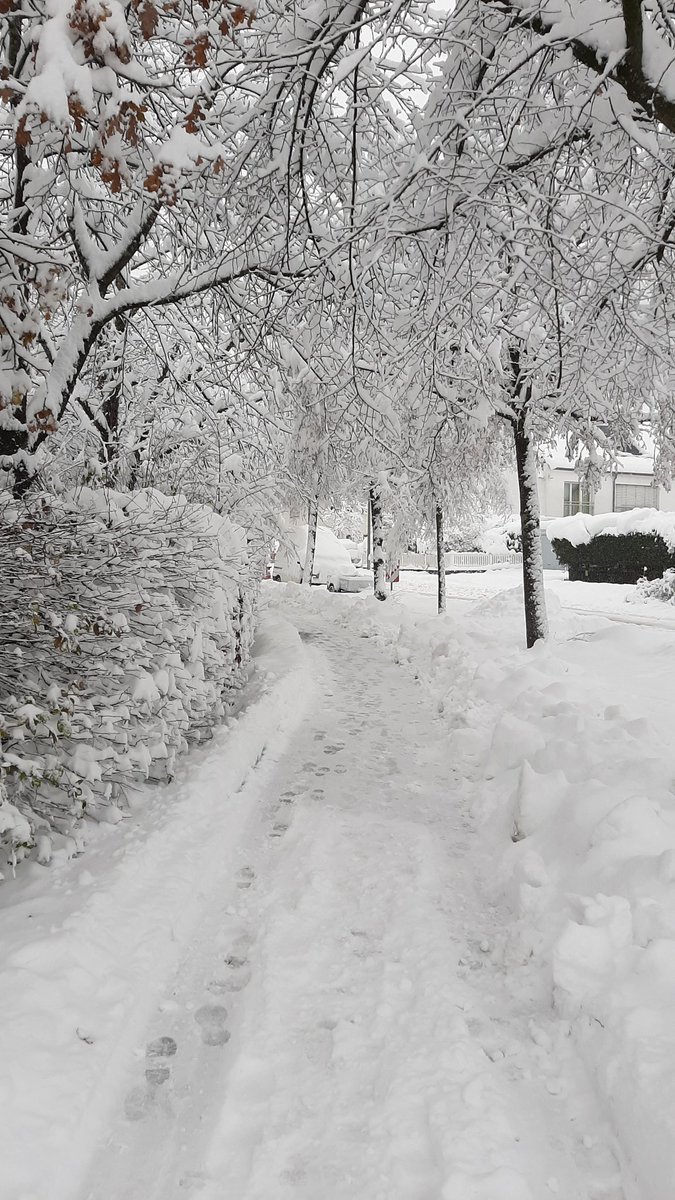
(581, 528)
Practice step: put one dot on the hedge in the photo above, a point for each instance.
(620, 558)
(127, 620)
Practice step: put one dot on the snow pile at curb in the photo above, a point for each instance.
(581, 528)
(574, 792)
(82, 978)
(126, 628)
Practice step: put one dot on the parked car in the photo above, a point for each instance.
(355, 550)
(330, 556)
(360, 581)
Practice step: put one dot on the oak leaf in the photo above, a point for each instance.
(23, 137)
(148, 18)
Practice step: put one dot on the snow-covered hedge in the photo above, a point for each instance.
(126, 622)
(615, 547)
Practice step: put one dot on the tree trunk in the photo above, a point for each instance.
(110, 384)
(13, 445)
(312, 522)
(536, 624)
(440, 556)
(379, 562)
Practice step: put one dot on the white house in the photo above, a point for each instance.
(628, 483)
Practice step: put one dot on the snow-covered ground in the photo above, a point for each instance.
(319, 966)
(573, 760)
(418, 591)
(90, 944)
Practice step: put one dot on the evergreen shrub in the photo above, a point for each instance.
(615, 558)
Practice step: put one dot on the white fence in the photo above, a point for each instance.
(458, 560)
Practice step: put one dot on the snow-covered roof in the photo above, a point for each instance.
(580, 528)
(560, 456)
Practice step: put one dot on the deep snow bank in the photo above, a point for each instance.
(566, 751)
(87, 945)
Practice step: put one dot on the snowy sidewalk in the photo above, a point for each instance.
(374, 1051)
(332, 1024)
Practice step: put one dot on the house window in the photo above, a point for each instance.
(635, 495)
(578, 498)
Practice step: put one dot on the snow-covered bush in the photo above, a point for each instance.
(501, 535)
(127, 620)
(615, 547)
(624, 558)
(655, 589)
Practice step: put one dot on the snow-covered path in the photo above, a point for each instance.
(338, 1026)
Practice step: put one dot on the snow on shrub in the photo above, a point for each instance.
(582, 527)
(615, 547)
(655, 589)
(127, 620)
(502, 535)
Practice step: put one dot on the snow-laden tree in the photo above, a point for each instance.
(542, 235)
(156, 152)
(626, 49)
(455, 462)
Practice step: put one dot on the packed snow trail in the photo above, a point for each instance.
(339, 1028)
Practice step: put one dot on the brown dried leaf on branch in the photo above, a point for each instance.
(23, 136)
(196, 50)
(194, 117)
(148, 19)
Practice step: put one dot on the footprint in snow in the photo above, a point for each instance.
(157, 1054)
(211, 1019)
(218, 986)
(235, 962)
(194, 1180)
(245, 877)
(234, 982)
(138, 1103)
(287, 797)
(334, 748)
